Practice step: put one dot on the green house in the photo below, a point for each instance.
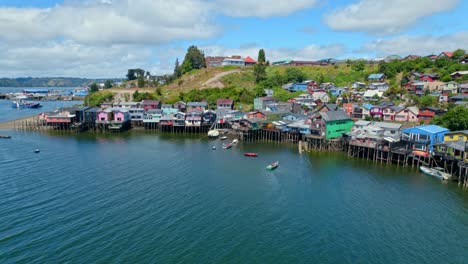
(331, 124)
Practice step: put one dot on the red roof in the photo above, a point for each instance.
(250, 60)
(224, 101)
(448, 54)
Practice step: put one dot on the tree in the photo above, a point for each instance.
(358, 66)
(93, 88)
(261, 56)
(158, 91)
(177, 69)
(131, 75)
(259, 72)
(455, 119)
(135, 95)
(141, 82)
(108, 84)
(459, 53)
(295, 75)
(194, 59)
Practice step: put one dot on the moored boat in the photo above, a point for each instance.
(37, 150)
(227, 146)
(5, 136)
(223, 138)
(213, 133)
(273, 166)
(435, 172)
(25, 104)
(250, 154)
(235, 141)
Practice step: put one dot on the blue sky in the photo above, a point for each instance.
(102, 38)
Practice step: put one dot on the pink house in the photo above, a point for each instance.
(409, 114)
(376, 112)
(113, 115)
(389, 112)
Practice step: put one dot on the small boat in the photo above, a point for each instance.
(223, 138)
(235, 141)
(250, 154)
(227, 146)
(273, 166)
(37, 150)
(213, 133)
(213, 148)
(23, 104)
(5, 136)
(435, 172)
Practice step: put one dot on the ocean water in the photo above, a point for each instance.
(8, 113)
(152, 198)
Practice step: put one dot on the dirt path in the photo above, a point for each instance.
(215, 81)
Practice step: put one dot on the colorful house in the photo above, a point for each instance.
(331, 124)
(421, 139)
(193, 118)
(152, 116)
(376, 112)
(248, 61)
(260, 103)
(209, 118)
(456, 136)
(114, 118)
(327, 108)
(389, 112)
(256, 115)
(150, 104)
(408, 114)
(426, 114)
(225, 104)
(181, 106)
(194, 105)
(457, 150)
(300, 126)
(376, 77)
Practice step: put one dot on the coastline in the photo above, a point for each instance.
(9, 125)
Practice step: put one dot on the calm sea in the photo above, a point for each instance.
(8, 113)
(151, 198)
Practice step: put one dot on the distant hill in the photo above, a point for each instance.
(50, 82)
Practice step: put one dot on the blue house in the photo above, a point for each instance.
(423, 138)
(294, 117)
(336, 91)
(376, 77)
(300, 126)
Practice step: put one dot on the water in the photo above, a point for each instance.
(149, 198)
(8, 113)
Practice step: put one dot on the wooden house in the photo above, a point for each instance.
(179, 119)
(62, 118)
(459, 74)
(300, 126)
(114, 118)
(194, 105)
(328, 107)
(248, 61)
(426, 114)
(225, 104)
(376, 77)
(260, 103)
(389, 112)
(182, 106)
(152, 117)
(421, 139)
(376, 112)
(457, 150)
(445, 54)
(456, 136)
(209, 118)
(256, 115)
(193, 118)
(331, 124)
(150, 104)
(408, 114)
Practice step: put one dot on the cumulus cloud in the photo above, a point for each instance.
(384, 17)
(117, 22)
(262, 8)
(419, 45)
(72, 59)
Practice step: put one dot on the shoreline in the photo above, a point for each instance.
(9, 125)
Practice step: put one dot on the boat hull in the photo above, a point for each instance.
(435, 173)
(249, 154)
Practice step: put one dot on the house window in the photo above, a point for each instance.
(119, 119)
(423, 137)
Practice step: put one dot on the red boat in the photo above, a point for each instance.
(250, 154)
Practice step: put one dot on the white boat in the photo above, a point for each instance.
(213, 133)
(435, 172)
(234, 141)
(223, 138)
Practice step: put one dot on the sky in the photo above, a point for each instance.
(104, 38)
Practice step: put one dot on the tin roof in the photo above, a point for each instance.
(335, 115)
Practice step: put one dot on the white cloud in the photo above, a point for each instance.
(384, 17)
(262, 8)
(72, 59)
(310, 52)
(419, 45)
(117, 22)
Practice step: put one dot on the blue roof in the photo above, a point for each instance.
(36, 90)
(367, 106)
(432, 129)
(376, 76)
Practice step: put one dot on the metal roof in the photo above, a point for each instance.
(388, 125)
(432, 129)
(335, 115)
(376, 76)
